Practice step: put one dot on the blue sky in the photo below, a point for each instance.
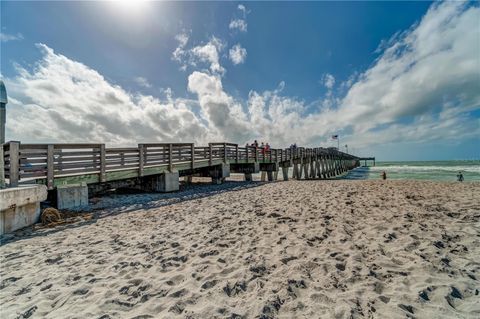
(126, 72)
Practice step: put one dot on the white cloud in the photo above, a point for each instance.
(422, 70)
(4, 37)
(179, 54)
(210, 53)
(237, 54)
(223, 113)
(328, 80)
(242, 8)
(238, 24)
(143, 82)
(65, 101)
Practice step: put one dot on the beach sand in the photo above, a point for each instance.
(297, 249)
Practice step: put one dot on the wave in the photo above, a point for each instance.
(406, 168)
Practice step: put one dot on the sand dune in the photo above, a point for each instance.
(297, 249)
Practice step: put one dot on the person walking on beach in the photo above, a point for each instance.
(460, 177)
(384, 175)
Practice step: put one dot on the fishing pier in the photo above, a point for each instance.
(72, 171)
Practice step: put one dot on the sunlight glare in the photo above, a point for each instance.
(134, 7)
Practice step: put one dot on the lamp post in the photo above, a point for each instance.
(3, 120)
(346, 148)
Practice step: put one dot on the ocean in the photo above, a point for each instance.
(421, 170)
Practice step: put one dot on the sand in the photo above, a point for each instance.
(297, 249)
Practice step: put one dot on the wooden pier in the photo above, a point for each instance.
(99, 167)
(366, 159)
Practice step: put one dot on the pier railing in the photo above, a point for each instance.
(50, 161)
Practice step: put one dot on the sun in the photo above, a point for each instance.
(130, 6)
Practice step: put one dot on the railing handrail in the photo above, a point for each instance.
(57, 159)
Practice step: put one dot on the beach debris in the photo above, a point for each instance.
(50, 215)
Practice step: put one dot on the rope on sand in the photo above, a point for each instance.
(50, 215)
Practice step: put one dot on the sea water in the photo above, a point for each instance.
(424, 170)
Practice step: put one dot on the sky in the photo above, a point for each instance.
(394, 80)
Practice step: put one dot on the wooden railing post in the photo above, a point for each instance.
(246, 149)
(14, 150)
(170, 157)
(210, 158)
(236, 153)
(192, 151)
(256, 154)
(141, 158)
(103, 164)
(50, 161)
(224, 152)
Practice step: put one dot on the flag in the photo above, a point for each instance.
(334, 137)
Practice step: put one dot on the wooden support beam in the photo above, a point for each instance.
(224, 152)
(103, 177)
(50, 159)
(170, 157)
(192, 153)
(14, 155)
(141, 159)
(210, 156)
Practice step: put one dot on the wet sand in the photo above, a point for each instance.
(297, 249)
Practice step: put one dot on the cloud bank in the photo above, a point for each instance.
(423, 87)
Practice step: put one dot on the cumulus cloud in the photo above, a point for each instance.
(328, 80)
(430, 67)
(237, 54)
(238, 24)
(5, 37)
(179, 54)
(66, 101)
(210, 53)
(205, 53)
(223, 113)
(143, 82)
(422, 87)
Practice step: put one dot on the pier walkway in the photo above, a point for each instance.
(158, 166)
